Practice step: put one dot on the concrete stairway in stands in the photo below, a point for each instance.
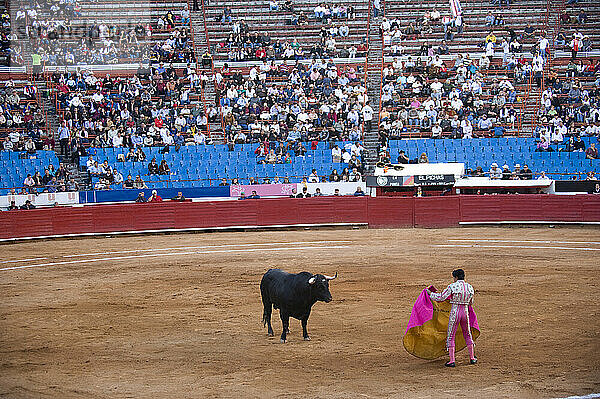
(82, 178)
(201, 44)
(373, 72)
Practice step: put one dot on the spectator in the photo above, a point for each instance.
(579, 145)
(506, 173)
(52, 186)
(155, 197)
(64, 135)
(27, 205)
(304, 193)
(526, 173)
(72, 185)
(313, 177)
(543, 146)
(164, 169)
(153, 168)
(355, 175)
(129, 183)
(141, 197)
(254, 195)
(359, 192)
(336, 154)
(102, 184)
(402, 158)
(591, 152)
(139, 183)
(179, 197)
(334, 176)
(29, 184)
(495, 172)
(116, 177)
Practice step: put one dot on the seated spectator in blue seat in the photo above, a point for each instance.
(52, 185)
(359, 192)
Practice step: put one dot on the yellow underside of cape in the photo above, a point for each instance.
(429, 340)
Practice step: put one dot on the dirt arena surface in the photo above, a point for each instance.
(150, 317)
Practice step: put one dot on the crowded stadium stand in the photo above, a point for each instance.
(266, 91)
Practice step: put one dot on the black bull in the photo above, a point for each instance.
(293, 295)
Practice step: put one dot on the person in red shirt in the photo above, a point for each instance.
(155, 197)
(261, 53)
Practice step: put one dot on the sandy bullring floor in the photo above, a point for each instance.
(178, 316)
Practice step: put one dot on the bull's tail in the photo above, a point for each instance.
(267, 304)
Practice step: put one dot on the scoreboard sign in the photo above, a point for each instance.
(386, 181)
(434, 180)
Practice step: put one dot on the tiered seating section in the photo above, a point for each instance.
(21, 116)
(295, 28)
(14, 170)
(509, 151)
(572, 87)
(317, 101)
(156, 107)
(106, 31)
(426, 33)
(201, 166)
(488, 93)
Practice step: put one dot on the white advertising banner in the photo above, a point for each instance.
(43, 199)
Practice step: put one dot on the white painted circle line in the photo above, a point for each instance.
(181, 248)
(21, 260)
(208, 246)
(117, 258)
(513, 246)
(516, 241)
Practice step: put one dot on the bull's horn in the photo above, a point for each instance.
(312, 280)
(330, 278)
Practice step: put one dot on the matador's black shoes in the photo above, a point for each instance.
(474, 360)
(450, 364)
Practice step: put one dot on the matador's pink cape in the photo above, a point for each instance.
(425, 335)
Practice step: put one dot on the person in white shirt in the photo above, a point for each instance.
(90, 162)
(356, 149)
(117, 177)
(117, 140)
(467, 129)
(436, 131)
(543, 44)
(489, 50)
(367, 113)
(559, 133)
(346, 156)
(336, 154)
(353, 117)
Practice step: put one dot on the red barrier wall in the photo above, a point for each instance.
(376, 212)
(526, 208)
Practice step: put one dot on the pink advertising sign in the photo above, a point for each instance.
(264, 190)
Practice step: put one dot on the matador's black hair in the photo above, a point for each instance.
(459, 274)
